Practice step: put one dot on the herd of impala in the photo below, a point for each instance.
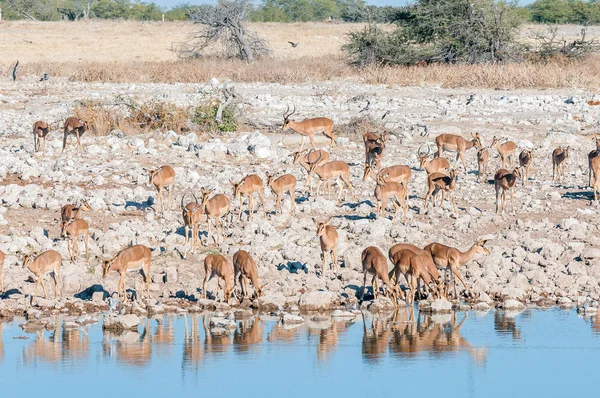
(419, 267)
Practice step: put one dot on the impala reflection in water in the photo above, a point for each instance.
(469, 353)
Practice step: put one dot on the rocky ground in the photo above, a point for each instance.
(546, 254)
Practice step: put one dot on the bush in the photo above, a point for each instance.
(205, 115)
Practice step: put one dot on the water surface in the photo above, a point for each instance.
(549, 353)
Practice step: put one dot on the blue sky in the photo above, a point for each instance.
(170, 3)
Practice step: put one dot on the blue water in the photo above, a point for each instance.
(537, 353)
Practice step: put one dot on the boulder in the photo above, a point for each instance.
(121, 322)
(318, 301)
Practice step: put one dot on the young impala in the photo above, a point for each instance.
(385, 190)
(328, 238)
(375, 263)
(483, 158)
(451, 259)
(308, 127)
(437, 182)
(455, 143)
(248, 186)
(76, 127)
(72, 212)
(336, 169)
(506, 151)
(409, 264)
(426, 271)
(319, 156)
(525, 159)
(191, 214)
(162, 178)
(131, 259)
(281, 185)
(217, 265)
(46, 263)
(504, 181)
(215, 207)
(244, 268)
(559, 159)
(40, 132)
(72, 230)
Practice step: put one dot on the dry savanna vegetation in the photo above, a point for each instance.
(127, 51)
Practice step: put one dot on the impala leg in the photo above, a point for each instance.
(302, 143)
(334, 259)
(453, 201)
(79, 143)
(87, 247)
(328, 189)
(350, 187)
(497, 197)
(35, 141)
(457, 274)
(323, 253)
(64, 142)
(171, 197)
(245, 281)
(312, 141)
(186, 231)
(364, 284)
(462, 159)
(45, 140)
(44, 286)
(241, 203)
(37, 285)
(293, 198)
(251, 205)
(56, 275)
(503, 200)
(261, 193)
(206, 278)
(375, 286)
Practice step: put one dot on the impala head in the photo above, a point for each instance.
(482, 153)
(151, 174)
(107, 265)
(85, 206)
(452, 174)
(517, 172)
(423, 155)
(63, 228)
(320, 226)
(184, 208)
(236, 187)
(205, 195)
(259, 290)
(566, 151)
(476, 140)
(382, 178)
(495, 142)
(27, 258)
(286, 116)
(270, 178)
(480, 246)
(296, 156)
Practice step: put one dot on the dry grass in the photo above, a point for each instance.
(113, 51)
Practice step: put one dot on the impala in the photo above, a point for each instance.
(435, 165)
(437, 182)
(506, 151)
(335, 169)
(409, 264)
(248, 186)
(385, 190)
(76, 127)
(308, 127)
(215, 207)
(281, 185)
(162, 178)
(591, 156)
(483, 158)
(374, 146)
(451, 259)
(559, 158)
(191, 214)
(504, 181)
(40, 132)
(74, 212)
(328, 237)
(319, 156)
(217, 265)
(244, 268)
(525, 159)
(2, 257)
(595, 166)
(375, 263)
(46, 263)
(429, 273)
(72, 230)
(131, 259)
(455, 143)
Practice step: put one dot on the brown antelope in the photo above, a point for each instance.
(215, 207)
(375, 263)
(131, 259)
(408, 263)
(384, 191)
(328, 237)
(525, 159)
(559, 158)
(435, 165)
(335, 169)
(429, 274)
(191, 214)
(216, 264)
(504, 181)
(308, 127)
(44, 264)
(76, 127)
(244, 268)
(374, 146)
(319, 156)
(506, 151)
(451, 259)
(592, 155)
(72, 230)
(40, 132)
(248, 186)
(595, 167)
(162, 178)
(74, 212)
(398, 173)
(440, 182)
(455, 143)
(281, 185)
(483, 158)
(2, 257)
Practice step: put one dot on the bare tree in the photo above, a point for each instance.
(224, 24)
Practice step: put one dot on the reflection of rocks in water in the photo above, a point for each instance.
(248, 335)
(284, 333)
(505, 323)
(409, 334)
(61, 345)
(129, 347)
